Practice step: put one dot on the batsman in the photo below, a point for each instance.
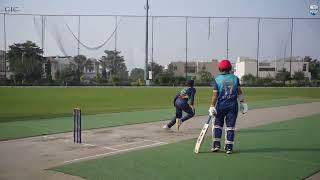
(224, 106)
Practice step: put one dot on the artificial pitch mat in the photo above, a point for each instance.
(29, 128)
(285, 150)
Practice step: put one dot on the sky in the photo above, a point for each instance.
(206, 40)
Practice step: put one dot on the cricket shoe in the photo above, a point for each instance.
(228, 148)
(215, 149)
(178, 123)
(166, 127)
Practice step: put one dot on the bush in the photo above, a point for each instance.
(137, 83)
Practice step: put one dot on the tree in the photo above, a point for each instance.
(265, 81)
(283, 76)
(136, 74)
(249, 79)
(80, 62)
(89, 64)
(165, 78)
(57, 75)
(2, 66)
(205, 76)
(26, 61)
(171, 68)
(314, 67)
(298, 76)
(156, 68)
(47, 68)
(180, 80)
(68, 75)
(104, 74)
(115, 65)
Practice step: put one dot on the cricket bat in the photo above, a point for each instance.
(202, 134)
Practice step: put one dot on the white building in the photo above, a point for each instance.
(58, 63)
(245, 66)
(4, 66)
(179, 67)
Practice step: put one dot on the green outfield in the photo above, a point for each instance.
(286, 150)
(29, 112)
(41, 103)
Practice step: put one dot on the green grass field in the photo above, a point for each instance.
(286, 150)
(41, 103)
(28, 128)
(27, 112)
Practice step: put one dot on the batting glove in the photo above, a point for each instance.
(212, 111)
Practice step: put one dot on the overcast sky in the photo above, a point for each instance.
(204, 42)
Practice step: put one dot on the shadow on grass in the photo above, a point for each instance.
(275, 149)
(242, 131)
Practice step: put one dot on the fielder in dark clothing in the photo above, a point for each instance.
(183, 101)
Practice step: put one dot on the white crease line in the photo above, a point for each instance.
(142, 140)
(105, 147)
(104, 154)
(112, 147)
(36, 138)
(85, 144)
(153, 141)
(127, 144)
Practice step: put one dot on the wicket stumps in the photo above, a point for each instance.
(77, 125)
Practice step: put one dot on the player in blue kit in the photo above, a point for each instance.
(224, 106)
(181, 104)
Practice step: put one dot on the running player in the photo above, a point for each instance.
(183, 101)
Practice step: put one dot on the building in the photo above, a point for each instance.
(91, 72)
(245, 66)
(58, 63)
(179, 68)
(4, 67)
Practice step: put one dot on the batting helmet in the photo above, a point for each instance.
(190, 83)
(224, 65)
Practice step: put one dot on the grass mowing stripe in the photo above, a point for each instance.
(289, 160)
(18, 104)
(285, 150)
(21, 129)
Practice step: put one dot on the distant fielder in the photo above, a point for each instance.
(181, 104)
(224, 106)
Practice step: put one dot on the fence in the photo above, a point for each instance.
(186, 39)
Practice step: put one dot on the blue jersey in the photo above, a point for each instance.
(227, 87)
(187, 94)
